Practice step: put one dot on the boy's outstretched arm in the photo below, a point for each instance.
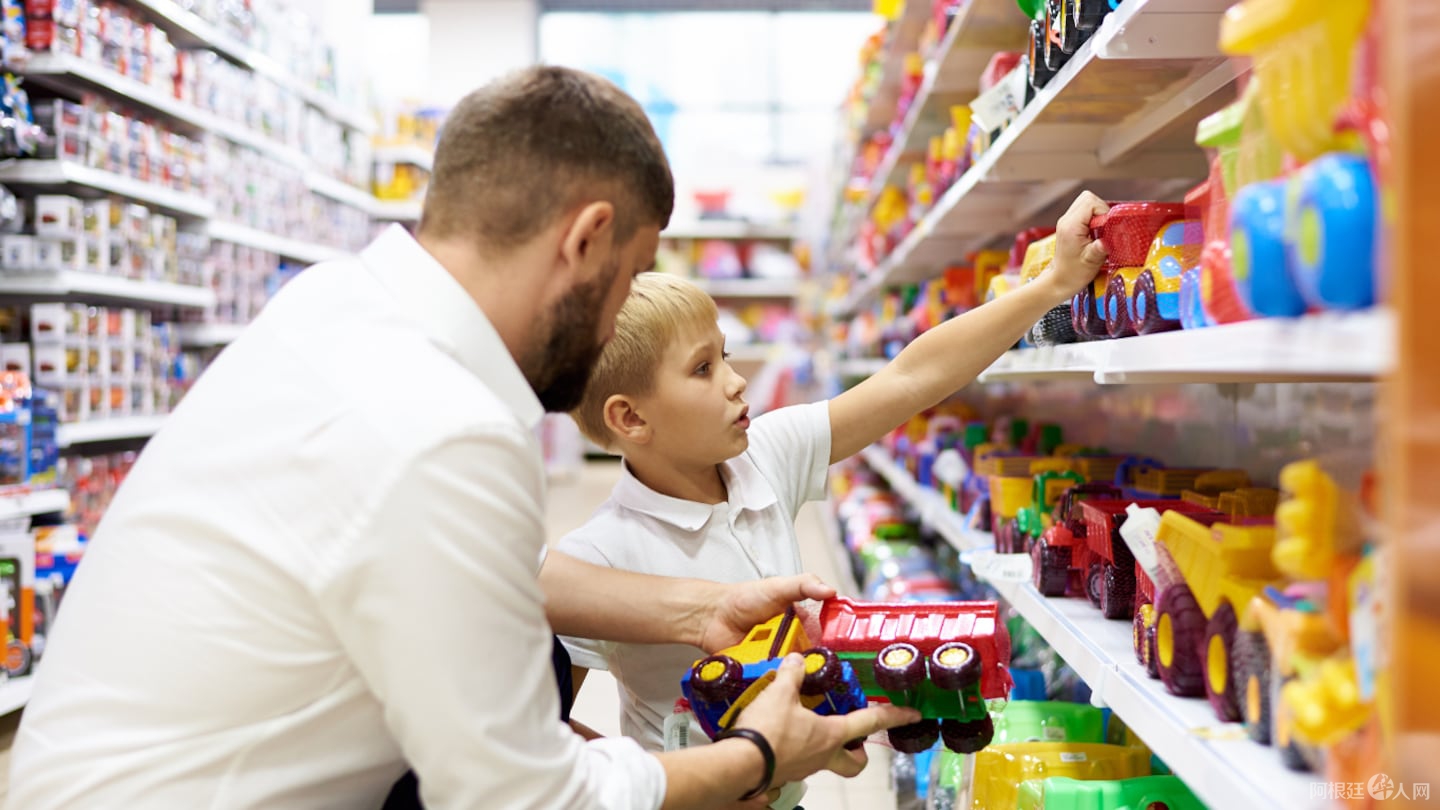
(948, 357)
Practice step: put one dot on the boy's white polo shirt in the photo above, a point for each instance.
(750, 536)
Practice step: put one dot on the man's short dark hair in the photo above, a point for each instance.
(525, 149)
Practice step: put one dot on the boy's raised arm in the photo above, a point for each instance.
(948, 357)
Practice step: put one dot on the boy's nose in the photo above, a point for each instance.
(737, 384)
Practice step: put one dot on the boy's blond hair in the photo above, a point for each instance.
(660, 307)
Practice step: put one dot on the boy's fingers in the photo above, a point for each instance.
(1094, 253)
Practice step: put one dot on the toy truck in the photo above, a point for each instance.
(944, 658)
(1127, 230)
(1036, 517)
(1053, 551)
(1224, 567)
(1153, 299)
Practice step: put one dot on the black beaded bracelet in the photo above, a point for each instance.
(765, 751)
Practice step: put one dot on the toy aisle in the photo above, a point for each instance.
(1171, 550)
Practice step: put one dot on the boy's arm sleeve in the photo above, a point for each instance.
(791, 448)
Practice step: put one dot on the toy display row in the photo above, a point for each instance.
(728, 259)
(56, 232)
(901, 314)
(257, 191)
(101, 136)
(243, 279)
(1234, 595)
(95, 362)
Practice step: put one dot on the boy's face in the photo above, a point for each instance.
(697, 409)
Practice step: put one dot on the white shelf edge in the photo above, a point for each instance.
(411, 155)
(60, 172)
(36, 502)
(73, 283)
(104, 430)
(727, 229)
(207, 335)
(306, 252)
(750, 287)
(396, 210)
(1222, 767)
(340, 191)
(15, 693)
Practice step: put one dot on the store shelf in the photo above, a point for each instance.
(339, 190)
(306, 252)
(24, 504)
(109, 430)
(15, 693)
(208, 335)
(396, 211)
(412, 155)
(1327, 346)
(1219, 763)
(727, 229)
(1119, 117)
(60, 175)
(188, 30)
(750, 287)
(904, 38)
(90, 285)
(860, 366)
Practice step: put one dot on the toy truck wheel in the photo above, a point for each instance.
(1087, 14)
(967, 737)
(1252, 677)
(1093, 578)
(1137, 632)
(1179, 629)
(1146, 305)
(1053, 328)
(1257, 251)
(899, 668)
(1117, 308)
(822, 672)
(916, 737)
(17, 659)
(1117, 591)
(1051, 568)
(1085, 316)
(1152, 654)
(1333, 248)
(955, 666)
(1221, 683)
(1040, 73)
(717, 679)
(1070, 36)
(1055, 56)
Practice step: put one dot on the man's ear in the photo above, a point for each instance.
(624, 420)
(591, 235)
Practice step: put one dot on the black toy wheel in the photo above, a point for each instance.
(1093, 580)
(955, 666)
(1221, 680)
(1117, 308)
(1051, 567)
(1064, 21)
(822, 672)
(1117, 591)
(17, 659)
(1180, 626)
(1252, 684)
(916, 737)
(1054, 54)
(717, 679)
(899, 668)
(967, 737)
(1053, 328)
(1038, 72)
(1085, 315)
(1086, 15)
(1148, 319)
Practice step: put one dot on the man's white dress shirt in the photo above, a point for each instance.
(750, 536)
(324, 567)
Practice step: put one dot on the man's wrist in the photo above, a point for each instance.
(762, 752)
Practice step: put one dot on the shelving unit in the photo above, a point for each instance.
(109, 430)
(727, 229)
(289, 248)
(37, 502)
(1219, 763)
(60, 175)
(111, 288)
(750, 287)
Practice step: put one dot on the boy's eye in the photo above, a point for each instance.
(702, 369)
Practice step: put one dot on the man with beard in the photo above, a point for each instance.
(330, 561)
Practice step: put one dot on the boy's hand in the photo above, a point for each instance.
(737, 608)
(1077, 257)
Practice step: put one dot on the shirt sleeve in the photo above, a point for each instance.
(791, 448)
(436, 602)
(586, 652)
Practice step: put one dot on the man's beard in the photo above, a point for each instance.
(571, 350)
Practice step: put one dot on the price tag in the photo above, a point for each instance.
(1002, 567)
(950, 468)
(1139, 531)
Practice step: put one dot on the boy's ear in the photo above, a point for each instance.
(590, 237)
(624, 421)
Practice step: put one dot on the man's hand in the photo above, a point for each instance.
(1077, 257)
(737, 608)
(805, 742)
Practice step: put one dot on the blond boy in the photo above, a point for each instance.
(704, 492)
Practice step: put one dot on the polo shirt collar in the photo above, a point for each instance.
(745, 485)
(431, 297)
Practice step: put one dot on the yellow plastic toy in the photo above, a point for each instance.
(1000, 769)
(1303, 52)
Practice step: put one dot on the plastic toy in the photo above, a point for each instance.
(1035, 518)
(1139, 793)
(1054, 327)
(1154, 300)
(720, 686)
(1127, 231)
(1053, 552)
(1049, 721)
(945, 659)
(1000, 769)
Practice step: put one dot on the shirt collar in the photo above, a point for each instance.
(436, 302)
(747, 489)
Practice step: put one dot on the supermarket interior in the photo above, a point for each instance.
(1132, 286)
